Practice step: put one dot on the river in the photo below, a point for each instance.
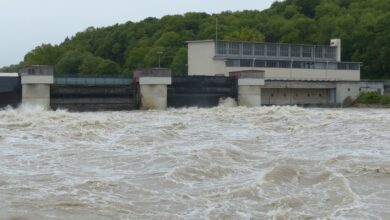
(220, 163)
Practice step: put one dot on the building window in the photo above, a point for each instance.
(284, 50)
(332, 66)
(319, 65)
(234, 48)
(297, 64)
(222, 47)
(246, 63)
(248, 49)
(307, 51)
(272, 50)
(308, 65)
(318, 52)
(232, 63)
(295, 51)
(259, 49)
(272, 63)
(284, 64)
(259, 63)
(330, 52)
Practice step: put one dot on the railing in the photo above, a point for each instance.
(292, 64)
(235, 49)
(92, 80)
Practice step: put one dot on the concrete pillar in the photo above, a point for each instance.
(36, 81)
(153, 88)
(249, 88)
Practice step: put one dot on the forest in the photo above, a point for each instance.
(362, 25)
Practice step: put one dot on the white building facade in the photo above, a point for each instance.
(279, 61)
(294, 73)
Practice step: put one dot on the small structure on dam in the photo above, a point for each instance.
(36, 81)
(152, 84)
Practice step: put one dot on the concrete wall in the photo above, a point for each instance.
(36, 94)
(347, 92)
(249, 91)
(153, 97)
(249, 96)
(201, 59)
(36, 89)
(154, 93)
(272, 96)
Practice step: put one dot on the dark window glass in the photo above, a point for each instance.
(248, 49)
(272, 50)
(284, 50)
(259, 49)
(295, 51)
(259, 63)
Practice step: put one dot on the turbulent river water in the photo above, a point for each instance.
(219, 163)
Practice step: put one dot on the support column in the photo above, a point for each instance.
(153, 88)
(249, 88)
(36, 81)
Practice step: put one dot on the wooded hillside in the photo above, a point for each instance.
(363, 26)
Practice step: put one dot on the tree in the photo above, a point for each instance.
(46, 54)
(179, 64)
(246, 34)
(70, 62)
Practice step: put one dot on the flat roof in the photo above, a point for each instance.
(9, 74)
(257, 42)
(199, 41)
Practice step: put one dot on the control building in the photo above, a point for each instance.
(295, 74)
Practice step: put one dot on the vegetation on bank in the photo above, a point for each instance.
(363, 26)
(373, 98)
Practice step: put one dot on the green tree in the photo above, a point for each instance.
(70, 62)
(179, 64)
(246, 34)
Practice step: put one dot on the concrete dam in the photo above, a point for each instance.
(157, 89)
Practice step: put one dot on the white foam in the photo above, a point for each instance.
(223, 162)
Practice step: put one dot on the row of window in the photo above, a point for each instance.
(275, 50)
(290, 64)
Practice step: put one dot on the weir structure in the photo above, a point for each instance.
(252, 73)
(249, 87)
(153, 87)
(36, 81)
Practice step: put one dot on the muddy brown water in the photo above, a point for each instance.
(219, 163)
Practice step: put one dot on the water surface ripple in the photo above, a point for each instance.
(219, 163)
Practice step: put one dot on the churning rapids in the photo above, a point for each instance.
(219, 163)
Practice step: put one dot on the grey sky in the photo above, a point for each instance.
(25, 24)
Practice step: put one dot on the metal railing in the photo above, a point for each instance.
(281, 51)
(99, 80)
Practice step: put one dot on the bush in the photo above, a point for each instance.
(373, 98)
(369, 98)
(386, 100)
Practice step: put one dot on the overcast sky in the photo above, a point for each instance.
(25, 24)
